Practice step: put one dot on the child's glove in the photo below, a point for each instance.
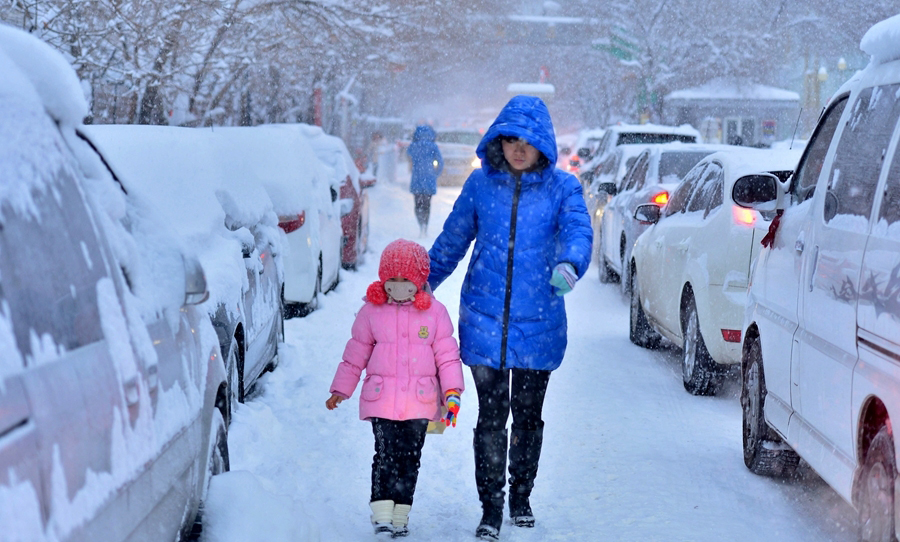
(452, 398)
(563, 278)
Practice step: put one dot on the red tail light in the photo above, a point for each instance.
(661, 199)
(742, 216)
(292, 223)
(731, 335)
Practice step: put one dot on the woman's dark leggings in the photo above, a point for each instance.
(496, 397)
(423, 208)
(395, 466)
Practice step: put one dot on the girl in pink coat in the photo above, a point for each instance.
(403, 338)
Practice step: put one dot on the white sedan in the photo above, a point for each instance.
(690, 269)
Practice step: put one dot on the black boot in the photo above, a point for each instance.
(524, 454)
(490, 466)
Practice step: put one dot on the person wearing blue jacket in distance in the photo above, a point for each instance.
(427, 165)
(533, 240)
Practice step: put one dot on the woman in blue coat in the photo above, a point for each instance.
(427, 164)
(533, 240)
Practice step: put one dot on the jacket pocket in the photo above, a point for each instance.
(426, 389)
(372, 388)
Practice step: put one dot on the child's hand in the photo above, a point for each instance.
(453, 403)
(333, 401)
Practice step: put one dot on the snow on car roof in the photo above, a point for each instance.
(331, 150)
(882, 41)
(746, 160)
(48, 72)
(649, 128)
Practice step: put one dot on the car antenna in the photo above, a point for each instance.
(795, 129)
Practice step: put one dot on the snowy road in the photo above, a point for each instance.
(628, 454)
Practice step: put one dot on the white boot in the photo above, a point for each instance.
(401, 520)
(382, 516)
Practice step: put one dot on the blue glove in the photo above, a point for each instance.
(563, 278)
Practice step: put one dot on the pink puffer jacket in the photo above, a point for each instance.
(410, 357)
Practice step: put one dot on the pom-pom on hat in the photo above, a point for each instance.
(407, 259)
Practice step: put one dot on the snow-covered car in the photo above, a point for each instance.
(312, 257)
(111, 379)
(458, 151)
(643, 134)
(690, 268)
(354, 201)
(212, 183)
(821, 349)
(605, 181)
(653, 176)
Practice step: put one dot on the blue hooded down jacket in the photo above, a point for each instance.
(423, 153)
(510, 315)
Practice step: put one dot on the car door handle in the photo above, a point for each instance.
(132, 391)
(683, 246)
(153, 377)
(798, 246)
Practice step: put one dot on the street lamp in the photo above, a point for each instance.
(842, 64)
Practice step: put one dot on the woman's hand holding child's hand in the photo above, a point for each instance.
(453, 402)
(333, 402)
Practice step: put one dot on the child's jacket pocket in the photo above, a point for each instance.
(372, 388)
(426, 389)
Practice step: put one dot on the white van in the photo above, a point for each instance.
(821, 349)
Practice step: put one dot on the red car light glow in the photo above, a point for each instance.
(661, 199)
(292, 223)
(745, 217)
(731, 335)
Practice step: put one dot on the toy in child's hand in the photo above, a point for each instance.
(453, 403)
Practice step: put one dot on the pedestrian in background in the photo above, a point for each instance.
(533, 240)
(403, 338)
(427, 165)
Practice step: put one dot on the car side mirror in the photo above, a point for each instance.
(647, 213)
(346, 206)
(195, 290)
(760, 192)
(583, 152)
(367, 183)
(609, 188)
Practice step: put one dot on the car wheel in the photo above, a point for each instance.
(701, 375)
(234, 368)
(876, 496)
(764, 451)
(217, 462)
(639, 330)
(607, 275)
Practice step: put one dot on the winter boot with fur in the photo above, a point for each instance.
(401, 520)
(524, 454)
(490, 467)
(382, 517)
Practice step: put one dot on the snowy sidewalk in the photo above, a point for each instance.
(628, 454)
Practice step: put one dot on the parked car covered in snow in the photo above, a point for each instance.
(354, 201)
(643, 134)
(821, 350)
(652, 177)
(690, 268)
(112, 388)
(213, 184)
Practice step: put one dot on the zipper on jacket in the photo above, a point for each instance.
(509, 270)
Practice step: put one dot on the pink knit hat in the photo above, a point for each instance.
(407, 259)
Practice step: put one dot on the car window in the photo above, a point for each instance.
(637, 173)
(50, 263)
(682, 192)
(706, 189)
(814, 156)
(675, 165)
(611, 164)
(860, 152)
(630, 138)
(890, 204)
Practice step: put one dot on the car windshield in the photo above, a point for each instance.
(673, 166)
(630, 138)
(466, 138)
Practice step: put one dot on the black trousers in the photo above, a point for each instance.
(497, 397)
(423, 208)
(395, 466)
